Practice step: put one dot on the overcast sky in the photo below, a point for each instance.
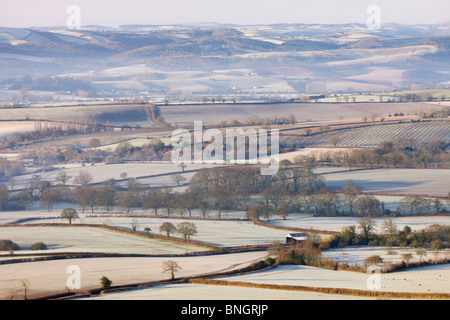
(26, 13)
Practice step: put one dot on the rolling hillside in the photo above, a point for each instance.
(420, 133)
(278, 59)
(119, 115)
(216, 113)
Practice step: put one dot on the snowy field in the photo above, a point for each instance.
(433, 279)
(8, 128)
(338, 223)
(102, 172)
(216, 113)
(433, 182)
(212, 292)
(102, 114)
(87, 239)
(219, 233)
(357, 254)
(49, 277)
(424, 279)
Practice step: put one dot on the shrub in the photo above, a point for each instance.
(269, 261)
(105, 282)
(301, 256)
(38, 246)
(373, 260)
(8, 245)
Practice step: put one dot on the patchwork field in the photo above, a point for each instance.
(433, 279)
(50, 277)
(322, 85)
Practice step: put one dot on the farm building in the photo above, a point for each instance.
(296, 238)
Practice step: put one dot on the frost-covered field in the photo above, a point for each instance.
(313, 151)
(337, 223)
(424, 279)
(102, 114)
(357, 254)
(395, 181)
(432, 279)
(212, 292)
(216, 113)
(87, 239)
(102, 172)
(219, 233)
(10, 127)
(49, 277)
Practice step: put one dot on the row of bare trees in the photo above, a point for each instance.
(292, 189)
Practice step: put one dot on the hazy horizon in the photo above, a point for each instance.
(53, 13)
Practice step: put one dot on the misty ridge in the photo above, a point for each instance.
(225, 59)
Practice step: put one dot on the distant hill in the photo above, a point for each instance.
(279, 57)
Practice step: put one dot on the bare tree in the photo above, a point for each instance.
(134, 224)
(373, 117)
(390, 228)
(221, 199)
(106, 196)
(69, 214)
(182, 166)
(4, 195)
(25, 288)
(84, 178)
(367, 226)
(63, 177)
(333, 140)
(25, 198)
(187, 230)
(172, 267)
(178, 178)
(94, 143)
(86, 196)
(152, 200)
(50, 197)
(128, 200)
(168, 228)
(123, 175)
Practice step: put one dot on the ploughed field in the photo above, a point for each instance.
(421, 133)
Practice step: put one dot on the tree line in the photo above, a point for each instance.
(217, 190)
(392, 154)
(435, 237)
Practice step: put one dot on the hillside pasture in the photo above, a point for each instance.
(431, 182)
(100, 114)
(50, 277)
(215, 113)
